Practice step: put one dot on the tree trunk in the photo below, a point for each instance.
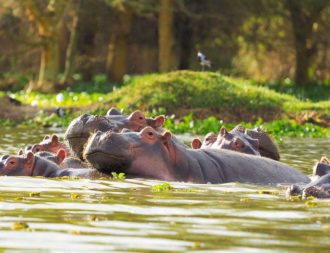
(72, 45)
(49, 65)
(303, 15)
(117, 50)
(166, 36)
(47, 24)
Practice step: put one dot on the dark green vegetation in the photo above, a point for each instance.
(48, 45)
(195, 102)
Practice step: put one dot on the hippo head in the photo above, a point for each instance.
(236, 142)
(18, 165)
(49, 144)
(145, 153)
(267, 146)
(322, 167)
(82, 127)
(57, 158)
(208, 141)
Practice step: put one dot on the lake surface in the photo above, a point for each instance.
(128, 216)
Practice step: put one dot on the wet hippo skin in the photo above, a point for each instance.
(148, 154)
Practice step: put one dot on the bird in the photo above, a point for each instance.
(60, 112)
(203, 60)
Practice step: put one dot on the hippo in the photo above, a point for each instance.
(80, 128)
(50, 144)
(226, 140)
(322, 167)
(33, 165)
(62, 160)
(319, 188)
(149, 154)
(250, 141)
(267, 146)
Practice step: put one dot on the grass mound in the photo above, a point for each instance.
(202, 93)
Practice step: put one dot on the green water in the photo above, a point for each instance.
(127, 216)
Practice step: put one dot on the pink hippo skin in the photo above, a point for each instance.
(149, 154)
(31, 165)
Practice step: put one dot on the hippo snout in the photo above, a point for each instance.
(293, 190)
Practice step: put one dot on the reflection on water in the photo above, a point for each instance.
(106, 216)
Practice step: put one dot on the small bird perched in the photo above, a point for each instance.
(60, 112)
(203, 60)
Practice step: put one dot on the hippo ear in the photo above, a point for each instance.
(324, 160)
(46, 137)
(113, 111)
(28, 147)
(20, 152)
(30, 158)
(60, 156)
(196, 143)
(36, 148)
(159, 121)
(223, 132)
(54, 138)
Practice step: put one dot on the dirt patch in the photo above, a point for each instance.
(312, 117)
(13, 110)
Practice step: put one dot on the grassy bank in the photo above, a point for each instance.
(196, 102)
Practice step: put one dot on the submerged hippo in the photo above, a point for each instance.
(32, 165)
(322, 167)
(80, 128)
(320, 187)
(248, 141)
(62, 160)
(148, 154)
(236, 141)
(50, 144)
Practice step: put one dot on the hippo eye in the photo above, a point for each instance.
(150, 133)
(140, 117)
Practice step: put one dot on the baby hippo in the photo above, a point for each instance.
(33, 165)
(50, 144)
(228, 140)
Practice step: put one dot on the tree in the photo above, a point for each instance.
(72, 45)
(304, 17)
(165, 35)
(118, 46)
(46, 15)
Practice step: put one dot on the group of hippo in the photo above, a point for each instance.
(140, 147)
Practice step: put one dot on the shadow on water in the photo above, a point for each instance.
(128, 216)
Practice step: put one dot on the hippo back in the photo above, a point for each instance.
(244, 168)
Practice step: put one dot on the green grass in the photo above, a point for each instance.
(194, 96)
(195, 90)
(66, 99)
